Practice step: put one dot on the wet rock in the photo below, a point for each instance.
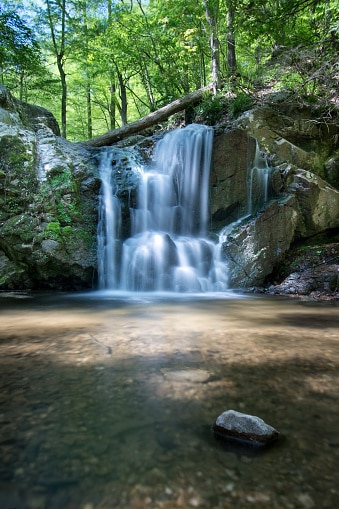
(47, 218)
(186, 375)
(233, 425)
(292, 136)
(332, 170)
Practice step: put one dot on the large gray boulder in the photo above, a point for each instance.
(299, 202)
(293, 133)
(48, 193)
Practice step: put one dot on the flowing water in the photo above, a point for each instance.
(108, 403)
(168, 248)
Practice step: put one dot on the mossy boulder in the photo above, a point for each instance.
(48, 203)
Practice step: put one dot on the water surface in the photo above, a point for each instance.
(107, 401)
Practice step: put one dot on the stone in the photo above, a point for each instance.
(233, 152)
(332, 170)
(47, 217)
(292, 135)
(237, 426)
(253, 248)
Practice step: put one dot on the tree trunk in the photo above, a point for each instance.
(63, 95)
(112, 87)
(112, 101)
(151, 119)
(123, 98)
(89, 110)
(59, 49)
(212, 9)
(230, 35)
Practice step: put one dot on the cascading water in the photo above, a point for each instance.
(258, 177)
(168, 248)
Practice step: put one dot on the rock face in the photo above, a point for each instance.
(250, 429)
(48, 190)
(233, 155)
(300, 203)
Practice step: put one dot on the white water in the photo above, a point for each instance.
(257, 191)
(168, 249)
(258, 178)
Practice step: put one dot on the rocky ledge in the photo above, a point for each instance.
(310, 269)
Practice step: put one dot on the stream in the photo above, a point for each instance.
(107, 401)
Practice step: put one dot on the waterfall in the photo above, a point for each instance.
(258, 179)
(167, 248)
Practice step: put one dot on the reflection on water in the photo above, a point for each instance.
(108, 402)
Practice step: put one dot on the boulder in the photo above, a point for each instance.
(233, 155)
(48, 202)
(292, 133)
(236, 426)
(253, 248)
(332, 170)
(256, 234)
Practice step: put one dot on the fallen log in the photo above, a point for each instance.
(156, 116)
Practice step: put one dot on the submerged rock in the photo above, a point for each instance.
(233, 425)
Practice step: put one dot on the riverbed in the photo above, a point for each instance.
(107, 401)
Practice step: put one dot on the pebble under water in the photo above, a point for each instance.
(108, 402)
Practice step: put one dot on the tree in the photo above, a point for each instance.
(116, 61)
(230, 37)
(20, 53)
(56, 19)
(212, 10)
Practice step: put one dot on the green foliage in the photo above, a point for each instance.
(241, 103)
(124, 59)
(61, 178)
(18, 45)
(59, 196)
(22, 66)
(210, 109)
(53, 230)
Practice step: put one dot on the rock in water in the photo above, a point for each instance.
(232, 425)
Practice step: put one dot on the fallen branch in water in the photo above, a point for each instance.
(109, 349)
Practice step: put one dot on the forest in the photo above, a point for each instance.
(100, 64)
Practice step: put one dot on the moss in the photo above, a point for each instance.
(241, 103)
(66, 231)
(53, 230)
(62, 180)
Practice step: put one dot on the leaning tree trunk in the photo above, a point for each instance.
(151, 119)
